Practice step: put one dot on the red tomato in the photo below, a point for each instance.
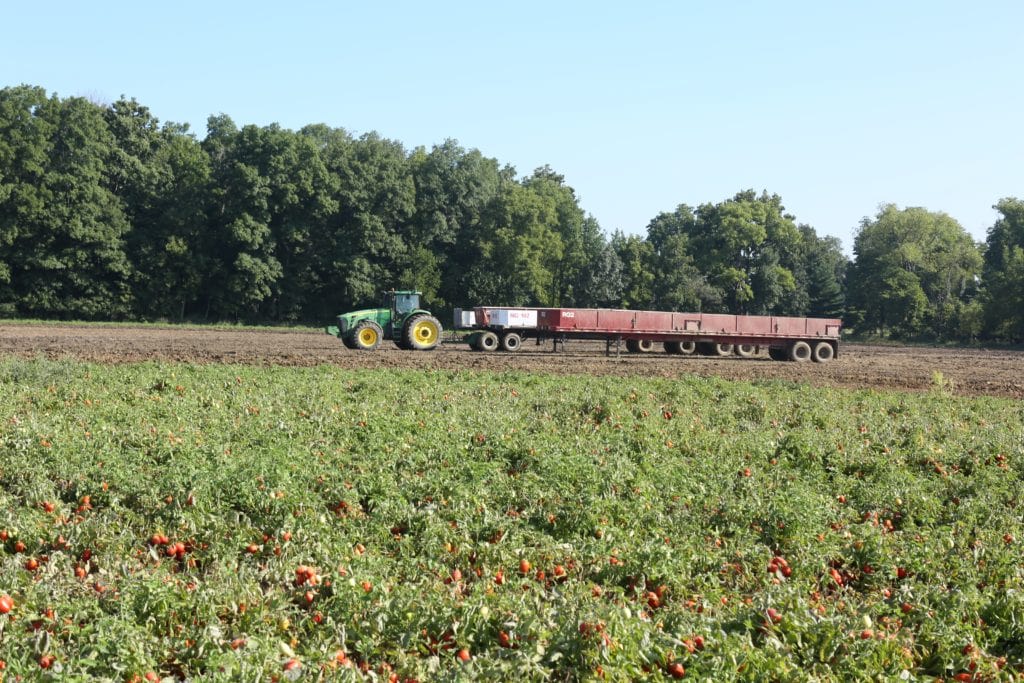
(676, 670)
(464, 655)
(6, 604)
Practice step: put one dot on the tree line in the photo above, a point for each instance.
(105, 213)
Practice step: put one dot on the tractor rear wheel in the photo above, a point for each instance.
(348, 341)
(366, 335)
(422, 332)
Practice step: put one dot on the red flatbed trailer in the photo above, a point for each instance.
(715, 334)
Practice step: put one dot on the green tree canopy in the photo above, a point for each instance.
(742, 255)
(914, 273)
(1003, 273)
(107, 213)
(62, 226)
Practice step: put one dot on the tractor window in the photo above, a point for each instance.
(405, 303)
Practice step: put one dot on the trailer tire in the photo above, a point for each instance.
(511, 341)
(366, 335)
(681, 348)
(722, 350)
(745, 350)
(823, 352)
(645, 345)
(632, 346)
(778, 353)
(422, 332)
(488, 341)
(800, 352)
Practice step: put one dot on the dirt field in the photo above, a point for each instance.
(967, 372)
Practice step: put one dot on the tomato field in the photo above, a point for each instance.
(173, 521)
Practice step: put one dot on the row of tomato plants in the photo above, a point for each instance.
(164, 521)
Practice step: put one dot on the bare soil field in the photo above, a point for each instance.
(970, 372)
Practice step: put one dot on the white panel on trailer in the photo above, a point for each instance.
(514, 317)
(464, 318)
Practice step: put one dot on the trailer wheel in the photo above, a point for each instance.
(722, 350)
(422, 332)
(366, 335)
(706, 348)
(777, 353)
(511, 341)
(644, 345)
(745, 350)
(823, 352)
(632, 346)
(683, 348)
(488, 341)
(800, 352)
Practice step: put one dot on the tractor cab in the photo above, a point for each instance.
(402, 303)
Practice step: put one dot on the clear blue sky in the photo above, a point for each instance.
(836, 106)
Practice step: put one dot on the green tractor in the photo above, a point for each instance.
(400, 319)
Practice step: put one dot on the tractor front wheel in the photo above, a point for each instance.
(366, 335)
(422, 332)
